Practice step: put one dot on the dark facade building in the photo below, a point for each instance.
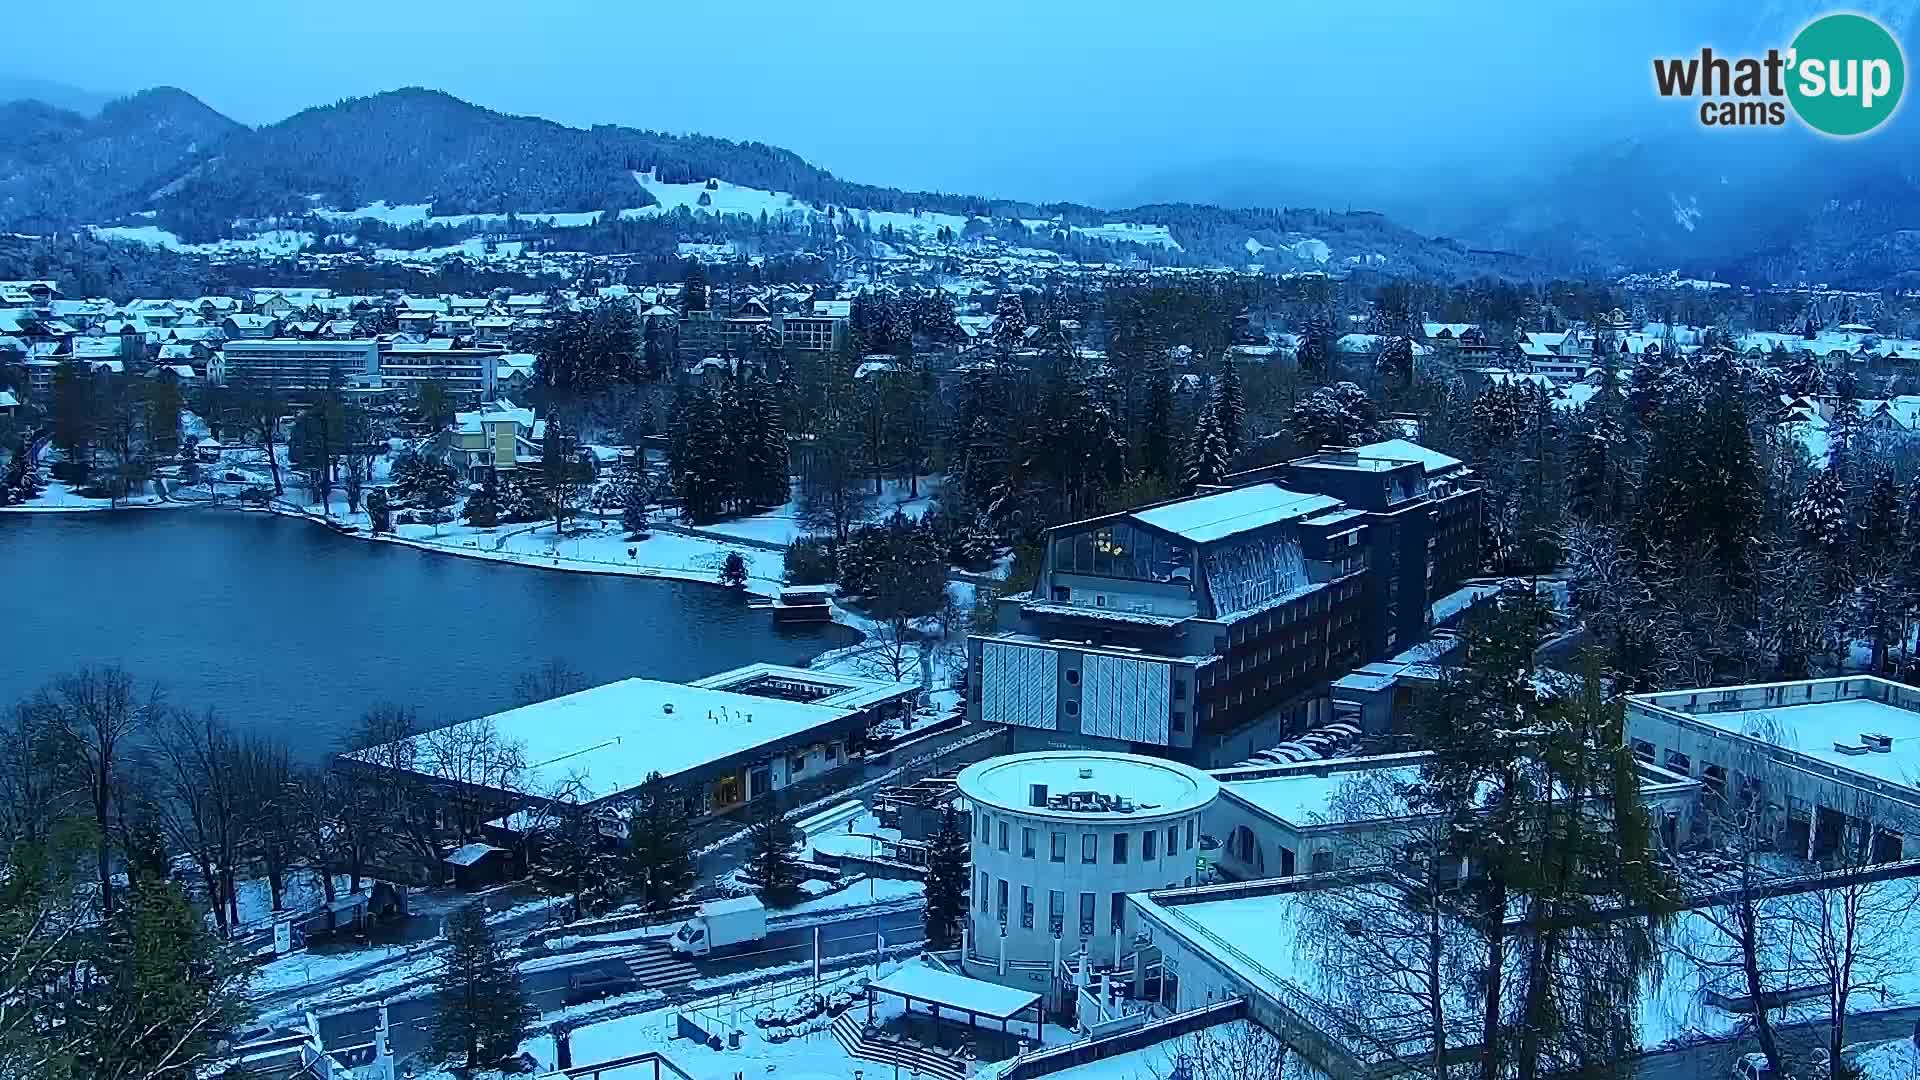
(1210, 627)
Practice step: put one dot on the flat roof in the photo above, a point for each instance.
(1405, 450)
(610, 737)
(1229, 513)
(843, 691)
(1309, 799)
(1156, 787)
(1811, 730)
(929, 984)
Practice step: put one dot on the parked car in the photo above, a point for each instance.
(595, 983)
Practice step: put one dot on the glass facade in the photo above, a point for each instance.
(1121, 550)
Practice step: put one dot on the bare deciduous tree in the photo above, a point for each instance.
(200, 803)
(100, 713)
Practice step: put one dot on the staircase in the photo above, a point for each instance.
(657, 967)
(849, 1033)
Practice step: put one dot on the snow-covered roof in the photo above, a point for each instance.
(1307, 798)
(1812, 728)
(609, 738)
(1435, 462)
(7, 400)
(1208, 518)
(944, 988)
(469, 854)
(1156, 787)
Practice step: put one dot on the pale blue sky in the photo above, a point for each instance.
(1042, 99)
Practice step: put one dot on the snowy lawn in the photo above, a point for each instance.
(1895, 1060)
(781, 525)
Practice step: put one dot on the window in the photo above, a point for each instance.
(1179, 689)
(1643, 750)
(1147, 841)
(1026, 843)
(1086, 914)
(985, 824)
(1192, 827)
(1073, 677)
(796, 763)
(1059, 852)
(1173, 840)
(1089, 848)
(980, 894)
(1119, 910)
(1026, 906)
(1716, 778)
(1071, 708)
(1679, 763)
(1001, 896)
(1119, 849)
(1003, 835)
(1056, 910)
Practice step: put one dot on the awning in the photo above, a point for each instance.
(957, 992)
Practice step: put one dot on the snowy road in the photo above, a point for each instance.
(847, 938)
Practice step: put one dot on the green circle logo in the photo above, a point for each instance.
(1847, 74)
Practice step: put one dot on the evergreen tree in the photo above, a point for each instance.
(771, 863)
(733, 571)
(1820, 515)
(483, 505)
(21, 481)
(658, 869)
(1009, 323)
(1156, 437)
(1206, 454)
(1395, 362)
(560, 472)
(636, 500)
(163, 413)
(379, 514)
(947, 871)
(697, 456)
(75, 417)
(571, 859)
(1229, 406)
(1314, 354)
(694, 296)
(481, 1012)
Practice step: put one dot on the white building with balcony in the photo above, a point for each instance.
(1059, 840)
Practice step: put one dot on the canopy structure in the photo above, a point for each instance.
(959, 995)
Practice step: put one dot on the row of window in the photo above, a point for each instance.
(1001, 908)
(999, 834)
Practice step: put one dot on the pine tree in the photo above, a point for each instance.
(1820, 515)
(1009, 323)
(774, 480)
(1156, 435)
(733, 571)
(559, 472)
(694, 296)
(75, 418)
(483, 505)
(1229, 406)
(636, 501)
(658, 869)
(698, 456)
(1395, 363)
(572, 860)
(771, 863)
(1206, 454)
(947, 866)
(1314, 354)
(482, 1013)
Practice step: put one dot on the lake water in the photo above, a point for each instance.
(286, 627)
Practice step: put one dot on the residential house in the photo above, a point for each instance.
(498, 435)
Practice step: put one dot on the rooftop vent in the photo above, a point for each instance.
(1086, 772)
(1037, 795)
(668, 707)
(1876, 742)
(1849, 749)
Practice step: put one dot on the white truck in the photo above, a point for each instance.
(720, 925)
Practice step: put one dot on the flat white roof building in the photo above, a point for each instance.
(1837, 761)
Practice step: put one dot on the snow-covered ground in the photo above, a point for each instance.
(781, 525)
(57, 497)
(1894, 1060)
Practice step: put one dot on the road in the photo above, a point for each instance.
(1716, 1060)
(850, 937)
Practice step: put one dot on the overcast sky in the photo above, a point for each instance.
(1078, 99)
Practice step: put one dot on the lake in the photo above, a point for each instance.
(288, 628)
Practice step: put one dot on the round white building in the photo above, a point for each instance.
(1061, 837)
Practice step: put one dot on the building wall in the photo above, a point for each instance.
(1072, 877)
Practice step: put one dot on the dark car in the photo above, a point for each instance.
(595, 984)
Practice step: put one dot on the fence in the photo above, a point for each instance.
(1056, 1058)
